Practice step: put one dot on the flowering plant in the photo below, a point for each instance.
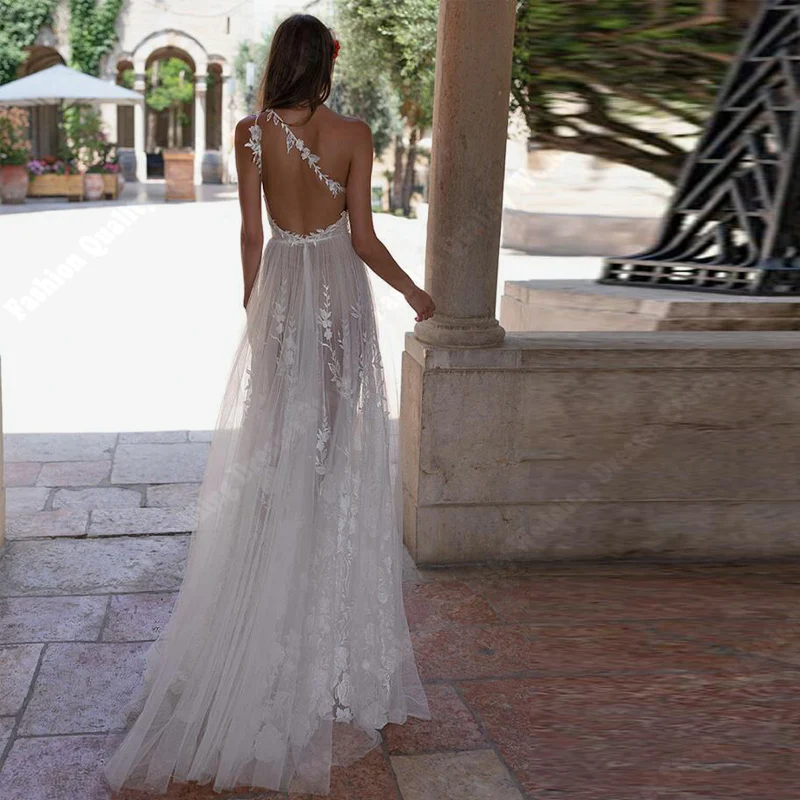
(335, 48)
(15, 147)
(49, 165)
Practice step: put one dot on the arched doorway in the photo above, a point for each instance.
(170, 108)
(44, 120)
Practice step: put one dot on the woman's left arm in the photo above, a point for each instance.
(252, 234)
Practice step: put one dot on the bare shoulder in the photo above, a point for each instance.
(353, 129)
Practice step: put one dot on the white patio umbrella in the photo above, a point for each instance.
(57, 84)
(60, 84)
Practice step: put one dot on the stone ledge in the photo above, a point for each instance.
(551, 350)
(642, 300)
(585, 305)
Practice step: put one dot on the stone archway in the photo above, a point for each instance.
(159, 46)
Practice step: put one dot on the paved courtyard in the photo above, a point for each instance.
(583, 682)
(578, 682)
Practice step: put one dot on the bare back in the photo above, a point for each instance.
(305, 166)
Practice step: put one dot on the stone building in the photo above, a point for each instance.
(207, 37)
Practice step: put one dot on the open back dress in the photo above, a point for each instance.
(288, 646)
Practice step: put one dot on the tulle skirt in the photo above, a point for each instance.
(288, 646)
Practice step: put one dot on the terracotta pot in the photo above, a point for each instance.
(13, 183)
(93, 186)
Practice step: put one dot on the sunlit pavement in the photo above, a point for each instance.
(141, 336)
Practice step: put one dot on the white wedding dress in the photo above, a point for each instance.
(288, 647)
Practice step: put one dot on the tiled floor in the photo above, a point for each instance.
(576, 682)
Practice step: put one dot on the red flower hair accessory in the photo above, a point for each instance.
(335, 48)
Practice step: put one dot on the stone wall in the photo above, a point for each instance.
(602, 445)
(576, 234)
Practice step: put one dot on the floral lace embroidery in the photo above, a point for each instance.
(323, 435)
(310, 238)
(305, 153)
(291, 141)
(255, 143)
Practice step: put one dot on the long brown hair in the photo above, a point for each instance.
(299, 66)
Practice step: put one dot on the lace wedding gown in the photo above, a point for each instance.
(288, 646)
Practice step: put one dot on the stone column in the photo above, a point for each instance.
(199, 126)
(138, 129)
(226, 115)
(470, 123)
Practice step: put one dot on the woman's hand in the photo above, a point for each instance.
(421, 302)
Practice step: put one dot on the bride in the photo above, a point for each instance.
(288, 646)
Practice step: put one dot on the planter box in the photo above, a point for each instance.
(178, 175)
(111, 186)
(70, 186)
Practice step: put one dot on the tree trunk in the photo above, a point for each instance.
(150, 146)
(396, 197)
(173, 126)
(408, 177)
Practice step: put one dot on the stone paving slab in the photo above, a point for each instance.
(83, 688)
(127, 521)
(138, 617)
(110, 497)
(160, 463)
(21, 473)
(74, 473)
(6, 727)
(17, 666)
(42, 524)
(93, 566)
(173, 494)
(153, 437)
(57, 768)
(452, 726)
(46, 619)
(58, 446)
(25, 499)
(468, 775)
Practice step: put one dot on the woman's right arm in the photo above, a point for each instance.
(366, 243)
(252, 232)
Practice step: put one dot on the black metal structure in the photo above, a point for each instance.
(733, 225)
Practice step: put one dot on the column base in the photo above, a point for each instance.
(445, 331)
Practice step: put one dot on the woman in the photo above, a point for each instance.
(288, 647)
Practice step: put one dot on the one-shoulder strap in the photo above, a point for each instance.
(305, 153)
(255, 141)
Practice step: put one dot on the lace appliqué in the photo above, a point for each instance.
(305, 153)
(255, 144)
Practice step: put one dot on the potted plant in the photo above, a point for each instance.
(15, 150)
(93, 186)
(170, 89)
(88, 144)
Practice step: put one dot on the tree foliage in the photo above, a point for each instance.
(21, 22)
(169, 87)
(92, 32)
(398, 39)
(593, 76)
(388, 55)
